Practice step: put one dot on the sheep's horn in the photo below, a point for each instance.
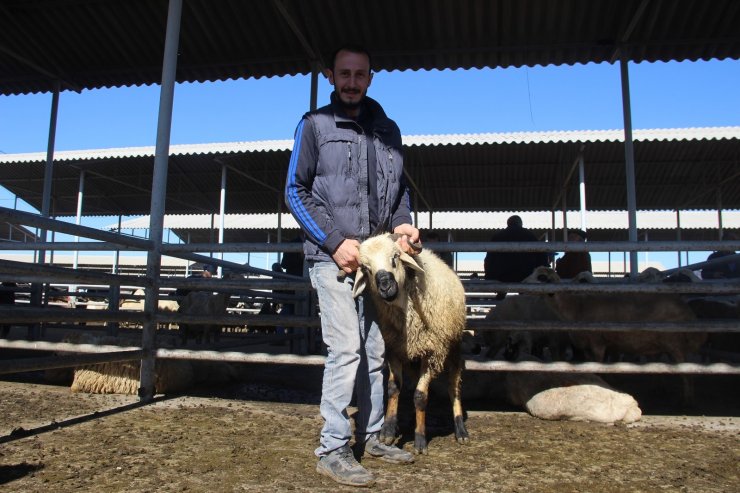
(416, 246)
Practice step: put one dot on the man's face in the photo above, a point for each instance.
(350, 77)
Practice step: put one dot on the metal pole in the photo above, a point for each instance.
(76, 258)
(582, 189)
(314, 85)
(629, 157)
(222, 215)
(678, 234)
(159, 192)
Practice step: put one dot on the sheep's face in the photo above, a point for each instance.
(383, 267)
(542, 275)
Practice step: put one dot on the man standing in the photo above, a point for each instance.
(345, 183)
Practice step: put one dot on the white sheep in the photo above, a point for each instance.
(569, 396)
(626, 307)
(421, 312)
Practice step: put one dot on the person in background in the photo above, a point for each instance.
(573, 263)
(512, 266)
(345, 183)
(433, 237)
(728, 270)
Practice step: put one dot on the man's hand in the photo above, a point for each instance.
(409, 234)
(347, 255)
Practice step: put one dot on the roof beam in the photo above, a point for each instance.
(307, 47)
(628, 31)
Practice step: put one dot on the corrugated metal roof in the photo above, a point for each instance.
(89, 44)
(675, 169)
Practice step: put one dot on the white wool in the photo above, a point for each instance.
(584, 403)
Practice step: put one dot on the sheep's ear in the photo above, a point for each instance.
(360, 283)
(409, 261)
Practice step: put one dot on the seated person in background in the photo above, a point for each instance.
(433, 237)
(513, 266)
(729, 270)
(573, 263)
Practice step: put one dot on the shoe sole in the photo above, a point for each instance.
(337, 479)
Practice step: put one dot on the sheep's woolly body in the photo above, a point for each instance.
(420, 304)
(434, 318)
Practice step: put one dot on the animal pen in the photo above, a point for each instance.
(39, 313)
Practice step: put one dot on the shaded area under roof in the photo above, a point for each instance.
(88, 44)
(675, 169)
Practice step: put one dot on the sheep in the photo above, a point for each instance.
(569, 396)
(525, 308)
(204, 303)
(420, 304)
(627, 307)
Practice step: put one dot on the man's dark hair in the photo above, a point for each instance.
(352, 48)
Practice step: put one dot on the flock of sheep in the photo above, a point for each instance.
(421, 307)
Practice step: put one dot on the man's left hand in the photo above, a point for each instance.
(409, 235)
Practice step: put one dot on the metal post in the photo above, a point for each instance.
(582, 189)
(314, 85)
(280, 223)
(78, 217)
(678, 234)
(629, 157)
(36, 289)
(222, 215)
(159, 191)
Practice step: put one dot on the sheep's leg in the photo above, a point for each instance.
(389, 429)
(421, 398)
(455, 381)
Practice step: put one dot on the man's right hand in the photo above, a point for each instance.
(347, 255)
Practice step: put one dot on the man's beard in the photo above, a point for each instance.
(352, 105)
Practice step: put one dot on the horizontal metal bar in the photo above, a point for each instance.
(561, 367)
(698, 326)
(172, 248)
(92, 246)
(26, 218)
(238, 285)
(62, 347)
(66, 361)
(704, 287)
(54, 273)
(580, 246)
(471, 364)
(20, 315)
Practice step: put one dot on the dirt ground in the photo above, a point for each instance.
(259, 435)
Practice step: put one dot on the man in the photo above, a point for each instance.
(344, 184)
(512, 266)
(727, 270)
(573, 263)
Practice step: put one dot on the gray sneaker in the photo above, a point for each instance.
(341, 466)
(388, 453)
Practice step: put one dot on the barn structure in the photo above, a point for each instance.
(87, 44)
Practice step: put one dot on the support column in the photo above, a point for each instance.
(582, 190)
(78, 218)
(222, 215)
(159, 193)
(629, 157)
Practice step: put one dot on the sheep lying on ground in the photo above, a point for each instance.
(626, 307)
(569, 396)
(421, 311)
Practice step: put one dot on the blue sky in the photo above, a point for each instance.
(579, 97)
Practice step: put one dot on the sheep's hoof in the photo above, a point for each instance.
(461, 433)
(420, 444)
(388, 431)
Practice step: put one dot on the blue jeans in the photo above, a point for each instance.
(356, 354)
